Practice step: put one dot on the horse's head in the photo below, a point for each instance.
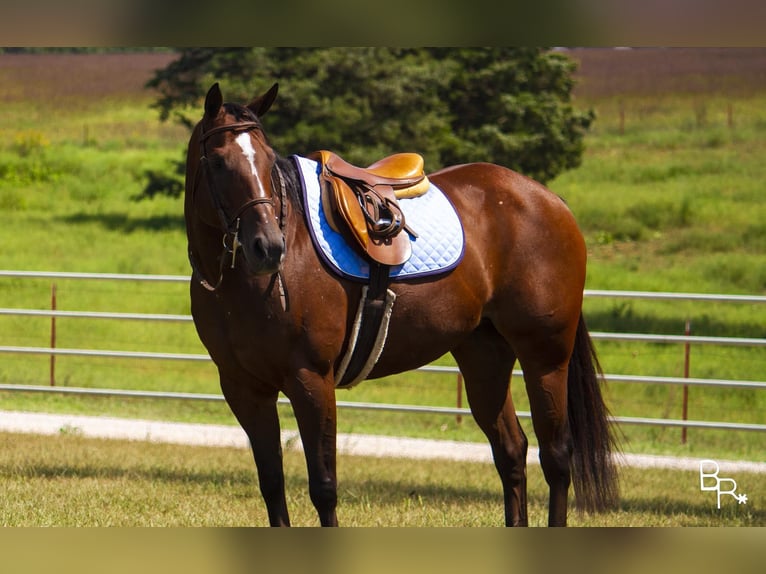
(230, 163)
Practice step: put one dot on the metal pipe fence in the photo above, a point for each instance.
(625, 337)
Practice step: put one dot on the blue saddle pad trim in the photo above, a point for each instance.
(438, 248)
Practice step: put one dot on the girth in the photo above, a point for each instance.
(369, 329)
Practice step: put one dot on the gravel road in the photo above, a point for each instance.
(352, 444)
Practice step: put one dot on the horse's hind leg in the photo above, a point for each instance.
(544, 361)
(257, 414)
(486, 362)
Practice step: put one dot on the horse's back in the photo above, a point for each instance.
(486, 189)
(523, 266)
(517, 224)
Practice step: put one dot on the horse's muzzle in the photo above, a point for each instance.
(264, 253)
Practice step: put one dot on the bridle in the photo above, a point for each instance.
(230, 225)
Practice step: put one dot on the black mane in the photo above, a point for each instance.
(292, 182)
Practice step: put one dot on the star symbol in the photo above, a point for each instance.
(741, 498)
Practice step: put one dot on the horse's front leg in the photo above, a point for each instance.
(312, 396)
(257, 414)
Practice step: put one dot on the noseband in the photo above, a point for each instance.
(230, 225)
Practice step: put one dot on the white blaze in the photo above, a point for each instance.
(248, 151)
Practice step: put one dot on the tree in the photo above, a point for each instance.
(510, 106)
(513, 106)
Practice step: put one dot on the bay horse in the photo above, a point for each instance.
(274, 318)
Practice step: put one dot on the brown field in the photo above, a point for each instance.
(606, 72)
(56, 79)
(603, 73)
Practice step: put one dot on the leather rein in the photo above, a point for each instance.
(230, 225)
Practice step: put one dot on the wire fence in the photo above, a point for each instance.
(54, 351)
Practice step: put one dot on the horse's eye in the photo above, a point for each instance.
(217, 162)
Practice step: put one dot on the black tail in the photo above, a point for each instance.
(594, 473)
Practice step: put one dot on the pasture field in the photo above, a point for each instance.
(68, 480)
(669, 196)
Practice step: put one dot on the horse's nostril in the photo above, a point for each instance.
(259, 248)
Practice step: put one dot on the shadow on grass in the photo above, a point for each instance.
(685, 513)
(124, 223)
(432, 482)
(113, 472)
(391, 492)
(622, 319)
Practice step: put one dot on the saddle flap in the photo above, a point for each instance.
(344, 206)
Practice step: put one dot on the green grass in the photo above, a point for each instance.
(669, 204)
(68, 480)
(672, 202)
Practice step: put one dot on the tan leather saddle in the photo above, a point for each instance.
(363, 203)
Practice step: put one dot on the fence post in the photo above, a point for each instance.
(622, 117)
(687, 354)
(53, 335)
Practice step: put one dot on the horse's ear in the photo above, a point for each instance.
(213, 101)
(260, 105)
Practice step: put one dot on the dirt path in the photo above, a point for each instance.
(351, 444)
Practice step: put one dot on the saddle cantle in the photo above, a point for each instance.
(362, 203)
(402, 167)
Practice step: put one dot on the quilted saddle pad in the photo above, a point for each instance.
(438, 248)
